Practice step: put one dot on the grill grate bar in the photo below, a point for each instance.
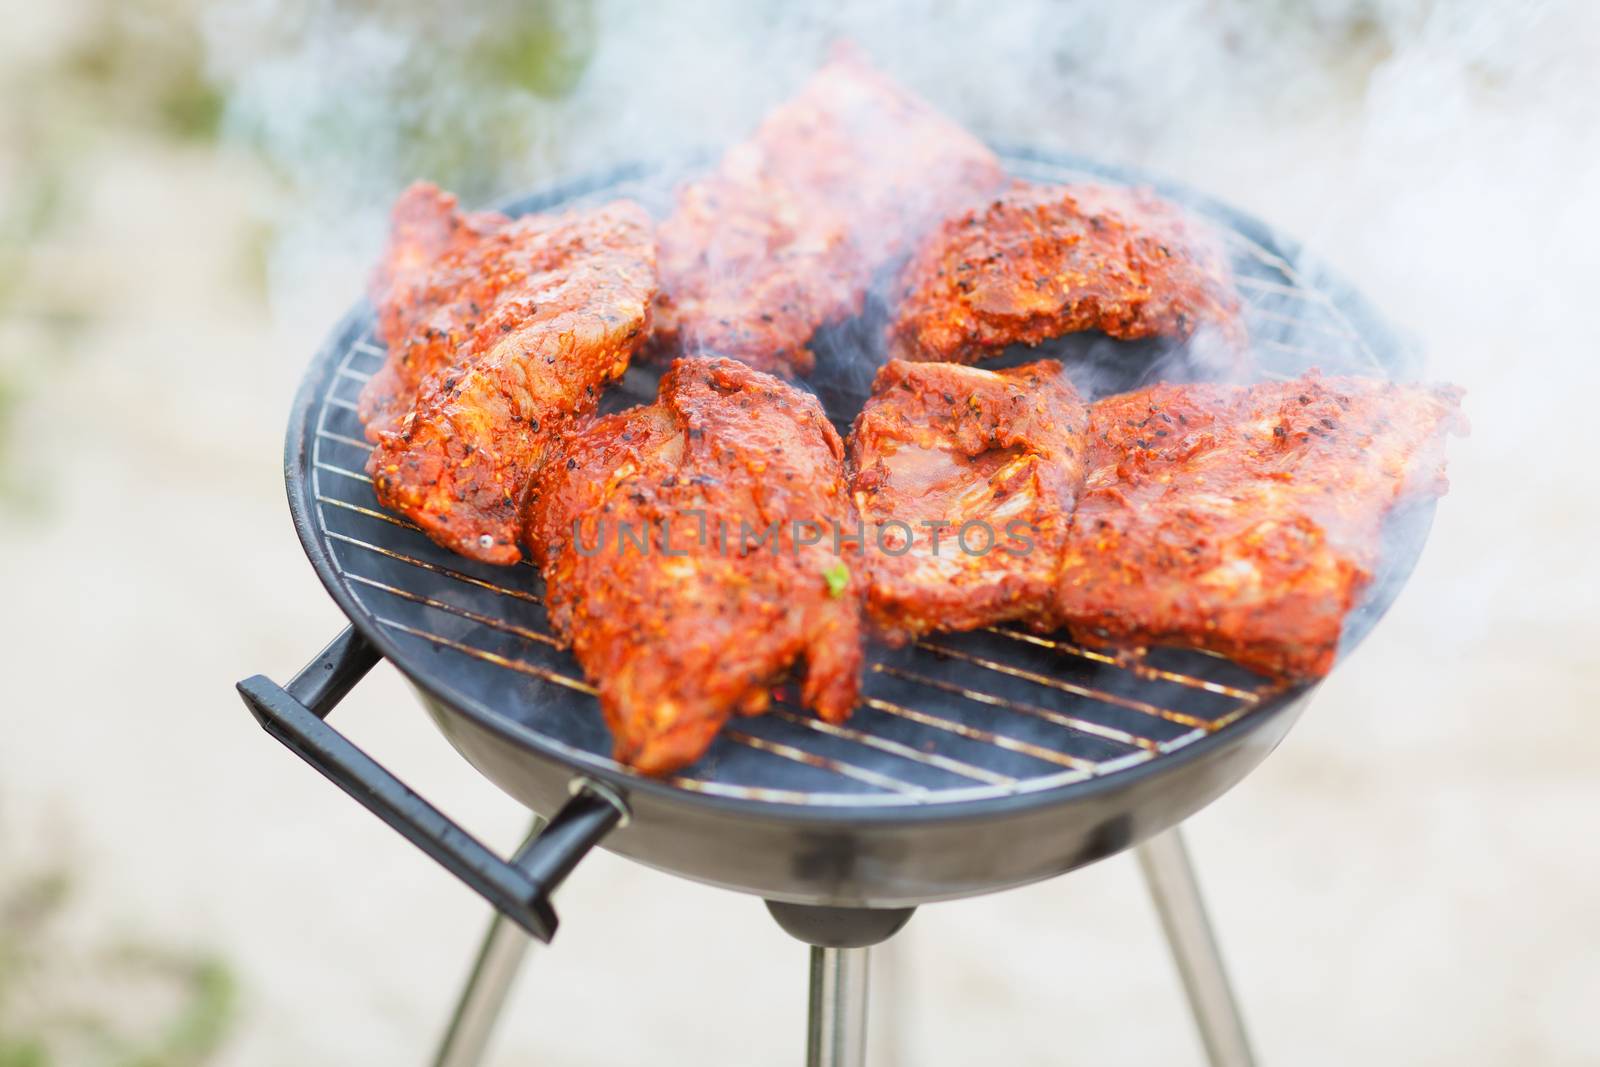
(1330, 329)
(973, 733)
(434, 567)
(521, 666)
(1267, 285)
(824, 763)
(1071, 722)
(1136, 665)
(371, 513)
(1058, 646)
(355, 476)
(1230, 718)
(772, 795)
(329, 435)
(895, 748)
(1284, 346)
(466, 613)
(1067, 687)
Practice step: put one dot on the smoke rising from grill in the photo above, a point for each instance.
(1390, 135)
(1408, 879)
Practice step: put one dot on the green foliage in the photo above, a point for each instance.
(462, 104)
(196, 1031)
(150, 70)
(44, 1020)
(22, 1052)
(543, 49)
(191, 108)
(127, 70)
(34, 207)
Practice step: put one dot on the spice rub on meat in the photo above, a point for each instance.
(501, 334)
(967, 479)
(689, 556)
(1040, 261)
(440, 273)
(786, 234)
(1245, 521)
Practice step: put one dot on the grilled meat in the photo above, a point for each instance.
(786, 234)
(997, 457)
(1245, 521)
(501, 335)
(443, 269)
(689, 556)
(1040, 261)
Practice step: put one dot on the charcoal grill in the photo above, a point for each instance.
(974, 763)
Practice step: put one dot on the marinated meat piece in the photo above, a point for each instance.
(441, 271)
(689, 556)
(1040, 261)
(786, 234)
(512, 336)
(966, 480)
(1246, 521)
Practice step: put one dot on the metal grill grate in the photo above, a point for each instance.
(954, 718)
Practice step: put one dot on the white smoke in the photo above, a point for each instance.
(1445, 156)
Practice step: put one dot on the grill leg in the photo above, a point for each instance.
(493, 973)
(836, 1031)
(840, 938)
(1170, 876)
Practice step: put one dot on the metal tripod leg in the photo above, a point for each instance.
(1167, 871)
(836, 1030)
(493, 973)
(840, 938)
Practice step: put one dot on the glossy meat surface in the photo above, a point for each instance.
(442, 269)
(717, 472)
(998, 456)
(1246, 521)
(786, 234)
(498, 349)
(1040, 261)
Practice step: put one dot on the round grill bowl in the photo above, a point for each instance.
(976, 762)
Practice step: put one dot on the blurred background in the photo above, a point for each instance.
(191, 194)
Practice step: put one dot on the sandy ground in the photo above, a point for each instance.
(1410, 879)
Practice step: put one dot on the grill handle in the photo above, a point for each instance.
(519, 887)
